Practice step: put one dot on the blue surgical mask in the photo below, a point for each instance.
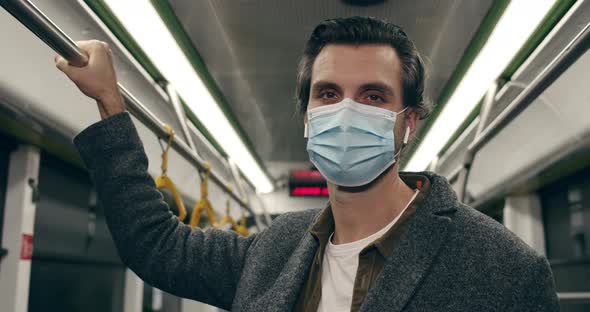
(351, 143)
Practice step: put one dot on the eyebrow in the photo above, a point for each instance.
(374, 85)
(378, 85)
(322, 84)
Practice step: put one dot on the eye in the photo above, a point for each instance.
(375, 98)
(328, 95)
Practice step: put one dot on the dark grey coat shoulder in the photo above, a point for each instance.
(451, 257)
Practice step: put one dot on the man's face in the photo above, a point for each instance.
(368, 74)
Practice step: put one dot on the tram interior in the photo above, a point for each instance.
(532, 172)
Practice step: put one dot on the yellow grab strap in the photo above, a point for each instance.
(227, 219)
(203, 204)
(241, 228)
(164, 182)
(170, 132)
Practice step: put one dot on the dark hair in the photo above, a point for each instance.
(365, 30)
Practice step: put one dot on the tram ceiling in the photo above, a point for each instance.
(251, 49)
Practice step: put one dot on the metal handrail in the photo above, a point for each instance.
(31, 17)
(578, 46)
(573, 296)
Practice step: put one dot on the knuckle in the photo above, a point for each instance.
(95, 44)
(107, 47)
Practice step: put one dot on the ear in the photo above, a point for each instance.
(412, 118)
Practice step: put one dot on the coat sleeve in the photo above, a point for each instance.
(196, 264)
(537, 292)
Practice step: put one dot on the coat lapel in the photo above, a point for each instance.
(282, 295)
(408, 264)
(419, 245)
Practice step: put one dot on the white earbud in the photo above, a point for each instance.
(305, 131)
(407, 135)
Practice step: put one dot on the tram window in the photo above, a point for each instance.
(68, 286)
(566, 216)
(566, 213)
(75, 266)
(6, 146)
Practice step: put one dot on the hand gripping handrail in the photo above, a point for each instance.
(164, 182)
(31, 17)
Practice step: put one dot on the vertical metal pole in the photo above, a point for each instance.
(240, 184)
(133, 300)
(267, 218)
(179, 110)
(486, 108)
(19, 222)
(188, 305)
(236, 175)
(238, 178)
(488, 103)
(157, 299)
(523, 216)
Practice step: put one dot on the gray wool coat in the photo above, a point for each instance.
(451, 257)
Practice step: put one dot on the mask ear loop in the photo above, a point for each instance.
(406, 136)
(404, 143)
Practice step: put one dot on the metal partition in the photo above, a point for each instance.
(31, 17)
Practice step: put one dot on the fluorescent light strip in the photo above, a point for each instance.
(516, 25)
(147, 28)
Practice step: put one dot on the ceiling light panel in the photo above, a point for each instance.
(516, 25)
(147, 28)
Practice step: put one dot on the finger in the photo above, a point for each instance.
(86, 45)
(61, 63)
(107, 49)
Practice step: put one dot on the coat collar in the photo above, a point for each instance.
(420, 243)
(283, 294)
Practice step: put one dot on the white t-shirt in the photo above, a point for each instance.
(339, 268)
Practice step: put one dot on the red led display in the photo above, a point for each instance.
(309, 191)
(304, 183)
(307, 174)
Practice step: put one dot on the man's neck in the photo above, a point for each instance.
(358, 215)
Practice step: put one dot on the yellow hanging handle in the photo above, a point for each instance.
(227, 219)
(164, 182)
(241, 227)
(203, 204)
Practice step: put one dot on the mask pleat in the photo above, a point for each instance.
(351, 143)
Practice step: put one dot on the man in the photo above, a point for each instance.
(387, 241)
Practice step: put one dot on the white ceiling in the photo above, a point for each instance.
(251, 49)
